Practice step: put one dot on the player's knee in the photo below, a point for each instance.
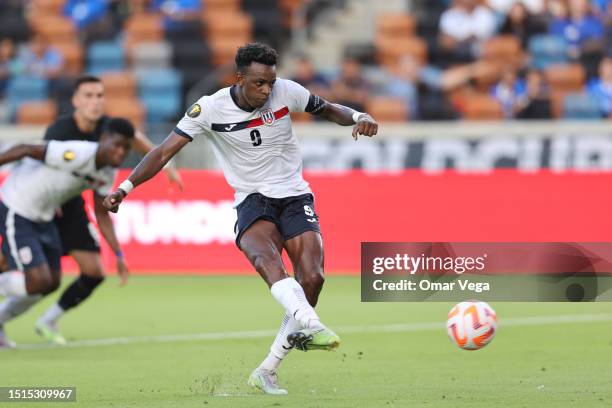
(268, 265)
(42, 284)
(94, 271)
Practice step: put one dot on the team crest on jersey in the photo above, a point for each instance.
(194, 111)
(69, 155)
(267, 116)
(25, 254)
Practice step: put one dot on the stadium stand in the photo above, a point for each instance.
(130, 43)
(580, 106)
(104, 57)
(36, 113)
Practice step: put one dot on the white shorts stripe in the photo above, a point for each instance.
(10, 236)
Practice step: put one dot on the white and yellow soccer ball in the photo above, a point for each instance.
(471, 325)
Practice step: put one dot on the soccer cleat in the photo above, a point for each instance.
(318, 339)
(5, 343)
(266, 381)
(50, 333)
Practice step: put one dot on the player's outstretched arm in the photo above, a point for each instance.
(143, 145)
(363, 123)
(20, 151)
(148, 167)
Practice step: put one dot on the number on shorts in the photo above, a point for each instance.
(308, 211)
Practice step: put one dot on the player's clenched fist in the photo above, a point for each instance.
(366, 125)
(112, 201)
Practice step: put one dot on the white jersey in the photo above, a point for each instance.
(35, 189)
(258, 151)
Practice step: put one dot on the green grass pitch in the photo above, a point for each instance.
(192, 342)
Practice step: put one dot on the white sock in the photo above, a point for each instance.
(13, 306)
(12, 283)
(281, 347)
(52, 314)
(289, 293)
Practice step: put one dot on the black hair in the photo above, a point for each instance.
(84, 79)
(119, 126)
(255, 52)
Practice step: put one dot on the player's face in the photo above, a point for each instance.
(115, 149)
(88, 101)
(257, 82)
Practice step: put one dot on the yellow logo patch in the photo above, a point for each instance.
(69, 155)
(194, 111)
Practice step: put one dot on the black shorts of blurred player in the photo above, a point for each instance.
(289, 223)
(31, 247)
(79, 237)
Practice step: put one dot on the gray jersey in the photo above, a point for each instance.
(258, 151)
(34, 189)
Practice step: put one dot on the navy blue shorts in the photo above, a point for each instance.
(291, 215)
(27, 244)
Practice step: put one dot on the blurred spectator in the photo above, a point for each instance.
(85, 12)
(608, 45)
(412, 82)
(510, 92)
(602, 7)
(178, 13)
(521, 23)
(306, 75)
(537, 104)
(463, 27)
(92, 19)
(12, 7)
(581, 29)
(504, 6)
(40, 59)
(7, 63)
(351, 88)
(601, 88)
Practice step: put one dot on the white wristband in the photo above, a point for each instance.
(126, 186)
(356, 116)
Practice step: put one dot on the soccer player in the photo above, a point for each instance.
(49, 175)
(79, 236)
(250, 130)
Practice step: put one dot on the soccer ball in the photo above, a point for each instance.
(472, 324)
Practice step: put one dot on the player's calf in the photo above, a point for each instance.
(312, 283)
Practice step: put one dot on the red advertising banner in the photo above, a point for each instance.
(166, 231)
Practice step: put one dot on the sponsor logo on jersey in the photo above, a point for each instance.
(194, 111)
(267, 116)
(69, 155)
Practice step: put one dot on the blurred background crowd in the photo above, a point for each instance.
(426, 60)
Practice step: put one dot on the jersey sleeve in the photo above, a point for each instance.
(297, 96)
(302, 100)
(195, 123)
(71, 155)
